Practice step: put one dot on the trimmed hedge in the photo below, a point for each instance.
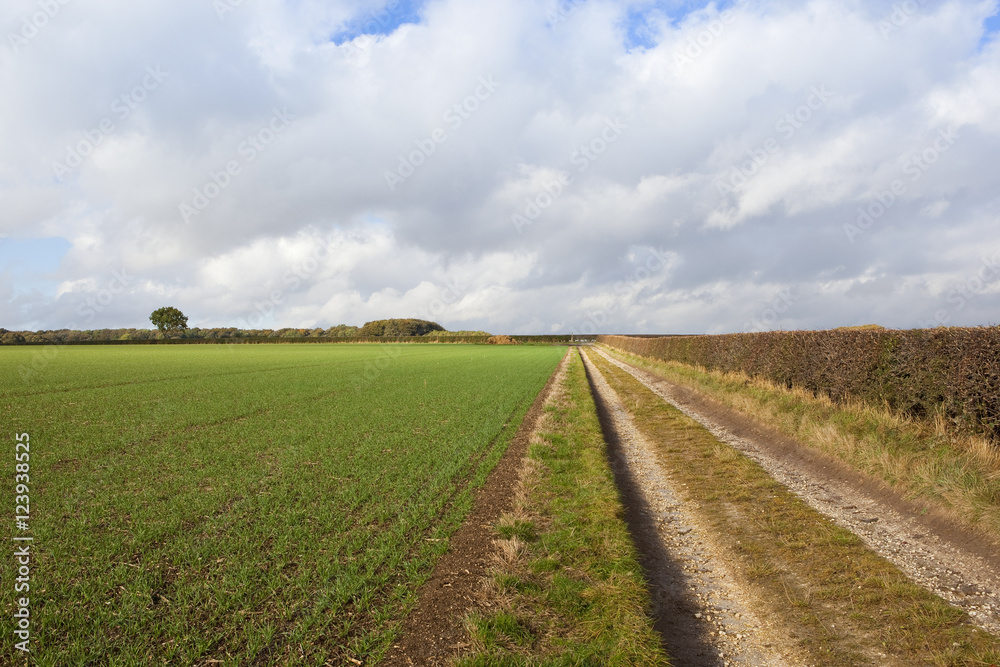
(950, 371)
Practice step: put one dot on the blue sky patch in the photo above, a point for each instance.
(639, 32)
(640, 25)
(30, 261)
(990, 27)
(992, 23)
(382, 21)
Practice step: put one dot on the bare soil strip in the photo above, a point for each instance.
(947, 559)
(432, 632)
(700, 609)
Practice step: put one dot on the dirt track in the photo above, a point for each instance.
(940, 555)
(702, 612)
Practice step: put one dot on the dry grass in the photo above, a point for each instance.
(958, 475)
(502, 339)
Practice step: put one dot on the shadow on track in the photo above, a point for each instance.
(686, 639)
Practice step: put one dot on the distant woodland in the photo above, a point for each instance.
(397, 327)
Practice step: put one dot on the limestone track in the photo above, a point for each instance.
(950, 565)
(704, 614)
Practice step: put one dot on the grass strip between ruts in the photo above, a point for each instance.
(567, 588)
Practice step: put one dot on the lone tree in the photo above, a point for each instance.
(169, 318)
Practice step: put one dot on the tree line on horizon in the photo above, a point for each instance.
(393, 327)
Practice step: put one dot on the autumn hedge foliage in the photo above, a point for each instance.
(954, 372)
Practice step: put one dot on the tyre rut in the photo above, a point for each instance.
(705, 616)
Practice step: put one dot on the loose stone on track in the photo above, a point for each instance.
(704, 614)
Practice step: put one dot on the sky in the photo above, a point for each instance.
(514, 166)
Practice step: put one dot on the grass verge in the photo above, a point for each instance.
(958, 475)
(567, 588)
(844, 604)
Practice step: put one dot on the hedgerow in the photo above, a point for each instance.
(953, 372)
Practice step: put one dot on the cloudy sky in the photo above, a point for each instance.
(519, 166)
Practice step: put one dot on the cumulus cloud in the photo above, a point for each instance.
(502, 165)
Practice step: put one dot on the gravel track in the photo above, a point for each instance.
(930, 557)
(705, 616)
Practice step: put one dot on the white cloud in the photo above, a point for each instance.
(709, 92)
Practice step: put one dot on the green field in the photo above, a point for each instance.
(246, 504)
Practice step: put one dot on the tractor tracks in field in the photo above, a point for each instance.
(706, 618)
(931, 550)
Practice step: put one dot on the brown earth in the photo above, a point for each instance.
(433, 631)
